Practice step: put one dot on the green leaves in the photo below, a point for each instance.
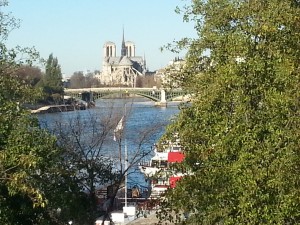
(27, 153)
(242, 125)
(52, 81)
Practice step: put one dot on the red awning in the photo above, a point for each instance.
(173, 181)
(175, 157)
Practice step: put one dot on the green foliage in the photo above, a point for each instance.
(29, 156)
(52, 81)
(31, 75)
(241, 133)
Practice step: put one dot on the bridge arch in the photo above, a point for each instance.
(156, 95)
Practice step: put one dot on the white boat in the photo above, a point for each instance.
(158, 170)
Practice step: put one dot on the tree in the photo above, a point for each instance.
(146, 81)
(27, 153)
(52, 81)
(79, 80)
(97, 161)
(241, 132)
(28, 158)
(30, 74)
(91, 80)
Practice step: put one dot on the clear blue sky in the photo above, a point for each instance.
(75, 30)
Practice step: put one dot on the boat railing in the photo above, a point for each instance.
(145, 163)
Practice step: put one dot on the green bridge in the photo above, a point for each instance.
(159, 96)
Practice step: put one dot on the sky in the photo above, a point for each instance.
(74, 31)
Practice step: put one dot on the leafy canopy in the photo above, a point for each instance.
(241, 132)
(27, 153)
(52, 83)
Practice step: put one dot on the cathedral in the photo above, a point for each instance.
(123, 69)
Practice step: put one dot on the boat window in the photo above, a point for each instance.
(177, 148)
(162, 182)
(163, 164)
(154, 163)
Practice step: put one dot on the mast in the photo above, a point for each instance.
(126, 161)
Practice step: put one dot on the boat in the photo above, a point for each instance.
(158, 170)
(58, 108)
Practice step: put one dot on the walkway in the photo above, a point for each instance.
(150, 219)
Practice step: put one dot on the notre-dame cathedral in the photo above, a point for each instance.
(123, 69)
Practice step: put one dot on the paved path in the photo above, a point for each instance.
(149, 220)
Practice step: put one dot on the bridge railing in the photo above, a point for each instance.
(154, 94)
(113, 89)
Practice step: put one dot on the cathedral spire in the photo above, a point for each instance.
(145, 68)
(123, 50)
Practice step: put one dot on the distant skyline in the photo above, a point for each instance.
(76, 30)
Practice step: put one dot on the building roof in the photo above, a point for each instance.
(138, 59)
(112, 60)
(125, 61)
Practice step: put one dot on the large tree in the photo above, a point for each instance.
(52, 81)
(79, 80)
(241, 132)
(28, 154)
(31, 75)
(97, 158)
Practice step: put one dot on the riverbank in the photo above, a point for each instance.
(57, 108)
(149, 219)
(62, 108)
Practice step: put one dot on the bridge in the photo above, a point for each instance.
(159, 96)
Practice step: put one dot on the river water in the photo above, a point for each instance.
(142, 115)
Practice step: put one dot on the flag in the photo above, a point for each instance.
(119, 127)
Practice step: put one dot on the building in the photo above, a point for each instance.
(172, 70)
(124, 69)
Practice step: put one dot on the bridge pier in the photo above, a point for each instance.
(87, 96)
(163, 101)
(160, 104)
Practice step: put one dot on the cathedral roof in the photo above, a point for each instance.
(112, 60)
(138, 59)
(125, 61)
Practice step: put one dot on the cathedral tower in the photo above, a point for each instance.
(130, 49)
(109, 49)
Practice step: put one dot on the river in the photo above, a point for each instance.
(142, 115)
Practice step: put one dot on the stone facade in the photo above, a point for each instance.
(123, 69)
